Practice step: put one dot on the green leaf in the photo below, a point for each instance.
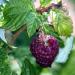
(45, 2)
(4, 64)
(48, 29)
(17, 7)
(63, 24)
(15, 13)
(33, 23)
(28, 68)
(15, 23)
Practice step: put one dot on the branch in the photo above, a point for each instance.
(17, 33)
(46, 9)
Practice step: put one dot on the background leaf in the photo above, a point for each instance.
(68, 68)
(65, 68)
(21, 53)
(4, 63)
(28, 68)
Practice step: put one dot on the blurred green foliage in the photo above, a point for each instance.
(4, 62)
(21, 12)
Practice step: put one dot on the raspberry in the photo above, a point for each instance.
(44, 48)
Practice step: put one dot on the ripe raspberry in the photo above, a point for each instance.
(44, 48)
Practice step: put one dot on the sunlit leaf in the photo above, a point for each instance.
(33, 22)
(63, 24)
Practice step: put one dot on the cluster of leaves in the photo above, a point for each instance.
(18, 13)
